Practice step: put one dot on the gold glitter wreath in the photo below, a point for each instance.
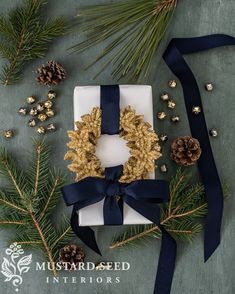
(141, 139)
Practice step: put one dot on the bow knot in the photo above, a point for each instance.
(113, 189)
(140, 195)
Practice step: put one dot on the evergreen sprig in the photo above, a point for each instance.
(136, 27)
(180, 216)
(24, 36)
(28, 200)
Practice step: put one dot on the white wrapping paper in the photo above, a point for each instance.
(112, 150)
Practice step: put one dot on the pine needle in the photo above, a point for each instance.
(136, 27)
(25, 36)
(26, 204)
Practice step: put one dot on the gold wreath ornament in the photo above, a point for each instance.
(141, 140)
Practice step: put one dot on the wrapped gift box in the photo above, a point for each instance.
(87, 97)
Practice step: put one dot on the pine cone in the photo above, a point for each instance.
(51, 74)
(71, 255)
(185, 150)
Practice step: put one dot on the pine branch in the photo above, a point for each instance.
(46, 233)
(64, 235)
(6, 202)
(29, 243)
(137, 28)
(25, 37)
(183, 229)
(52, 192)
(136, 233)
(177, 185)
(13, 174)
(179, 216)
(38, 192)
(38, 168)
(13, 219)
(50, 197)
(22, 237)
(186, 235)
(38, 171)
(5, 222)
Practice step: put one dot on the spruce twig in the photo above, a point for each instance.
(137, 28)
(24, 37)
(27, 202)
(179, 216)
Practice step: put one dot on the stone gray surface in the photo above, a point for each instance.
(192, 18)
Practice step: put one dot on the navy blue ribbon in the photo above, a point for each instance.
(142, 195)
(173, 56)
(110, 106)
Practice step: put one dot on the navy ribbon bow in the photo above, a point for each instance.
(142, 195)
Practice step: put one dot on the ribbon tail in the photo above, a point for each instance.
(213, 225)
(166, 264)
(173, 57)
(113, 211)
(86, 234)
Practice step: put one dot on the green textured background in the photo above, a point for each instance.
(192, 18)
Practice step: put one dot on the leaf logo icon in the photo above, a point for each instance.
(8, 269)
(23, 263)
(13, 269)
